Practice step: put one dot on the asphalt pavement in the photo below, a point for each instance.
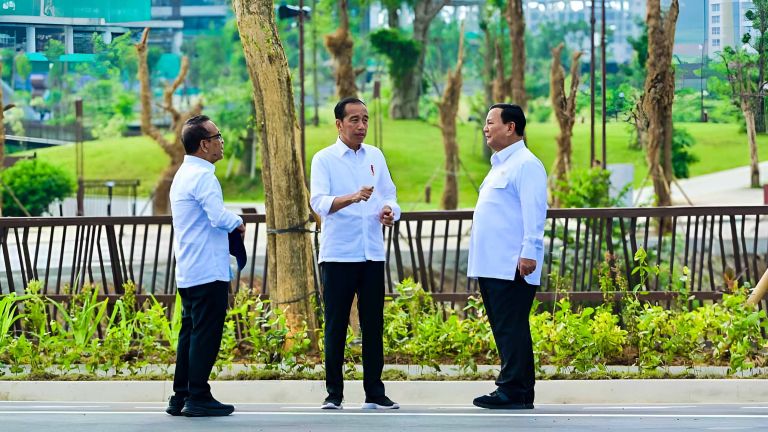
(149, 417)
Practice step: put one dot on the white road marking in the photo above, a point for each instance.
(648, 407)
(729, 428)
(418, 414)
(56, 406)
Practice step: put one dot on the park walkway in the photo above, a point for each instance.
(722, 188)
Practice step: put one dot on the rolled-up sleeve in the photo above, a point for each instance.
(533, 203)
(388, 191)
(211, 199)
(320, 198)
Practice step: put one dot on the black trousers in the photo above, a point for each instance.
(202, 323)
(341, 281)
(508, 304)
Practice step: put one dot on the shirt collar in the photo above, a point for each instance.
(502, 156)
(194, 160)
(339, 148)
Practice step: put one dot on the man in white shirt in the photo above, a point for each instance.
(353, 193)
(201, 225)
(506, 252)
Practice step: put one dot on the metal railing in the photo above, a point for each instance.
(718, 245)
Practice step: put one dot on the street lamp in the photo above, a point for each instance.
(302, 12)
(701, 82)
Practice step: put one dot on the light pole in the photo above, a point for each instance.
(602, 81)
(592, 85)
(302, 12)
(701, 81)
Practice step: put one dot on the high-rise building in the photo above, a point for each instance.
(621, 18)
(29, 25)
(727, 24)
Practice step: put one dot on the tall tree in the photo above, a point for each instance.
(565, 112)
(489, 47)
(289, 245)
(340, 45)
(742, 68)
(516, 22)
(449, 107)
(758, 17)
(393, 12)
(161, 204)
(405, 97)
(501, 84)
(658, 95)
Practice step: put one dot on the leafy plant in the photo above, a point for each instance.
(401, 51)
(588, 188)
(36, 184)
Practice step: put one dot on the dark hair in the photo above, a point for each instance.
(512, 113)
(193, 132)
(340, 110)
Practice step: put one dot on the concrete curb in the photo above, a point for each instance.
(404, 392)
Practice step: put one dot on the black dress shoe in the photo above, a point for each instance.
(175, 404)
(498, 400)
(208, 408)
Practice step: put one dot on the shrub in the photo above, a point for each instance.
(587, 188)
(682, 141)
(36, 184)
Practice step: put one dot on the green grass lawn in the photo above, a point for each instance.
(414, 151)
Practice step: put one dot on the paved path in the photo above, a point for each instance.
(729, 187)
(146, 417)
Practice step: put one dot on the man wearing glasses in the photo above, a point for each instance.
(201, 225)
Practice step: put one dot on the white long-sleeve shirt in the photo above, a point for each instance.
(352, 234)
(508, 222)
(200, 224)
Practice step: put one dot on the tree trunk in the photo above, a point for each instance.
(393, 16)
(340, 45)
(516, 22)
(565, 113)
(174, 149)
(405, 100)
(488, 59)
(449, 107)
(501, 85)
(760, 115)
(246, 160)
(289, 255)
(754, 168)
(658, 97)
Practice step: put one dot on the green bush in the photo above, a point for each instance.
(417, 331)
(682, 141)
(587, 188)
(36, 184)
(401, 50)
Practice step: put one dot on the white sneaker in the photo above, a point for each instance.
(381, 402)
(331, 403)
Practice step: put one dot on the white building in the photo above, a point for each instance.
(727, 24)
(621, 18)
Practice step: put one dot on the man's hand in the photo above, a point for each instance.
(526, 266)
(363, 194)
(241, 229)
(387, 216)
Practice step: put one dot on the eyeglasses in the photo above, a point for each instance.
(217, 136)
